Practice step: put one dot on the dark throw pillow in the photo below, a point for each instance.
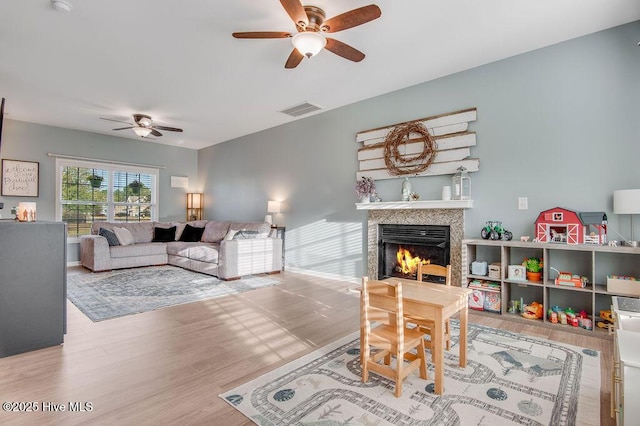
(111, 236)
(191, 234)
(245, 235)
(164, 235)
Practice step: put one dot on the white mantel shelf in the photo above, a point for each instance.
(406, 205)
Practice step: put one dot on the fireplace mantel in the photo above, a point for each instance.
(407, 205)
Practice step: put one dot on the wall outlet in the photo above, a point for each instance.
(523, 203)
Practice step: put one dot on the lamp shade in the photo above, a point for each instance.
(194, 201)
(308, 43)
(273, 207)
(626, 201)
(142, 131)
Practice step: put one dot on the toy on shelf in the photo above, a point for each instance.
(558, 225)
(557, 315)
(493, 230)
(607, 320)
(567, 279)
(533, 311)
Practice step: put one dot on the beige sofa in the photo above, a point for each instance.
(217, 252)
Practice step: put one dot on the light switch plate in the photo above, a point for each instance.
(523, 203)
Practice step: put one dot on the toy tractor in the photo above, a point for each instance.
(493, 230)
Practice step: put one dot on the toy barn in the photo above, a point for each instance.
(558, 225)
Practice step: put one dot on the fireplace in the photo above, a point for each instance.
(435, 213)
(402, 247)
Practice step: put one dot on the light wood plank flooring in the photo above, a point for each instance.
(168, 366)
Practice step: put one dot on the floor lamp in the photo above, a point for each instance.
(627, 201)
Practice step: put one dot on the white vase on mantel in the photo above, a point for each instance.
(366, 198)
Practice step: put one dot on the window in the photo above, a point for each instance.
(87, 192)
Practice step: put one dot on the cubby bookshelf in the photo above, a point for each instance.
(595, 262)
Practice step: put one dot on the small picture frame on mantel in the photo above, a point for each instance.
(20, 178)
(517, 273)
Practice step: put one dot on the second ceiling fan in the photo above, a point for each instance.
(311, 25)
(143, 126)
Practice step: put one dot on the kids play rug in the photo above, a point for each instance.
(510, 379)
(105, 295)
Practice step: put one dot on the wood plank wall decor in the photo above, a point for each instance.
(449, 131)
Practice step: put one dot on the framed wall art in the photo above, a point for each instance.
(20, 178)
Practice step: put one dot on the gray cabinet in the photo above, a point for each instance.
(33, 285)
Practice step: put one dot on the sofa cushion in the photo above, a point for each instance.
(263, 228)
(179, 248)
(124, 236)
(204, 253)
(214, 231)
(191, 234)
(111, 236)
(164, 235)
(142, 231)
(143, 249)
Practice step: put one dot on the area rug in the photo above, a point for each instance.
(510, 379)
(105, 295)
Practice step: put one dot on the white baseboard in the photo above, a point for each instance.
(337, 277)
(74, 263)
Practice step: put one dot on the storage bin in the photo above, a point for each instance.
(621, 286)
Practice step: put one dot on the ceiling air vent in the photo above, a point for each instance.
(302, 109)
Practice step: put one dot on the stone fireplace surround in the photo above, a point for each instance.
(451, 213)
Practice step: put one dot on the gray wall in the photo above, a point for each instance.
(559, 125)
(32, 142)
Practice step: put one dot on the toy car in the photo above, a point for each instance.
(493, 230)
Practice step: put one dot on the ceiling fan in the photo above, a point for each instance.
(311, 25)
(143, 126)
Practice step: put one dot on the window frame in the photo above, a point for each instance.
(111, 168)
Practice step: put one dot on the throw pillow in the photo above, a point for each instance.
(164, 235)
(111, 237)
(124, 236)
(245, 235)
(191, 234)
(230, 234)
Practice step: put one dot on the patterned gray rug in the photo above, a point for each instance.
(106, 295)
(510, 379)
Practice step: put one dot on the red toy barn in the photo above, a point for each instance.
(558, 225)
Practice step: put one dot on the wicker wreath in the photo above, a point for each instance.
(400, 135)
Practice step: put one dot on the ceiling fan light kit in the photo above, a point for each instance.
(142, 131)
(309, 44)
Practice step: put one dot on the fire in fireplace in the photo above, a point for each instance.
(407, 262)
(402, 247)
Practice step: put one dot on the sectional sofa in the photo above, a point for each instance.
(227, 250)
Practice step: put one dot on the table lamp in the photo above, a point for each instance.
(272, 207)
(627, 201)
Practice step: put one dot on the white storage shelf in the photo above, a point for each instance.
(592, 261)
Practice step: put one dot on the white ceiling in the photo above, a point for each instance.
(177, 61)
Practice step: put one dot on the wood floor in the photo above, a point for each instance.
(169, 366)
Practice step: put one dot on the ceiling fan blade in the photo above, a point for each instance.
(124, 128)
(351, 19)
(296, 11)
(344, 50)
(294, 59)
(154, 132)
(117, 121)
(262, 34)
(169, 129)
